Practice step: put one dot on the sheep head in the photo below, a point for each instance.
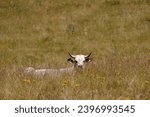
(79, 61)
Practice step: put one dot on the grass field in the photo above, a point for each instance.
(39, 33)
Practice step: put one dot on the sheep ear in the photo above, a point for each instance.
(88, 59)
(70, 60)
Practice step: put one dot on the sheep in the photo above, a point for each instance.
(77, 60)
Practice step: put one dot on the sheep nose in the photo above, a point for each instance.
(80, 66)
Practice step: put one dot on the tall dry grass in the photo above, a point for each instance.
(40, 33)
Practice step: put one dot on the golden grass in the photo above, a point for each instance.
(40, 33)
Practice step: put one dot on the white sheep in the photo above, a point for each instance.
(78, 61)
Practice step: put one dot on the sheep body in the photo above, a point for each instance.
(49, 72)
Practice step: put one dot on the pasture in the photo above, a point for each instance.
(40, 33)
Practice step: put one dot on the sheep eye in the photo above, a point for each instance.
(75, 61)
